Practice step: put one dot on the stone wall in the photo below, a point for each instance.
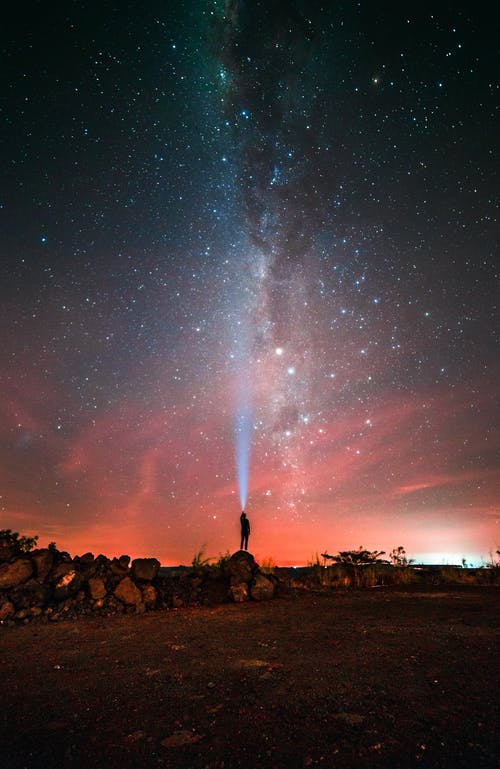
(47, 585)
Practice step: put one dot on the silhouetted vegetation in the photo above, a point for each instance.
(18, 544)
(359, 557)
(399, 558)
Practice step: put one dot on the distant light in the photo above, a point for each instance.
(279, 351)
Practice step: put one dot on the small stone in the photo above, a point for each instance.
(181, 737)
(7, 610)
(239, 593)
(136, 736)
(352, 719)
(149, 596)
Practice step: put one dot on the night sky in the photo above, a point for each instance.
(266, 225)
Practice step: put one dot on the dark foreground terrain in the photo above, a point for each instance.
(375, 678)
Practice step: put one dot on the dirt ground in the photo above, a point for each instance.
(375, 678)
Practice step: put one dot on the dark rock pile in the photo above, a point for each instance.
(48, 585)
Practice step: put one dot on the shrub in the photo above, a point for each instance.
(399, 557)
(222, 560)
(268, 565)
(199, 560)
(19, 544)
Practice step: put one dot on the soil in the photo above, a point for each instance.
(376, 678)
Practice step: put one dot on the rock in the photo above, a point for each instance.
(261, 589)
(239, 593)
(149, 596)
(15, 573)
(43, 560)
(97, 588)
(7, 610)
(241, 567)
(87, 558)
(124, 561)
(7, 550)
(145, 569)
(128, 593)
(181, 738)
(30, 593)
(119, 567)
(67, 581)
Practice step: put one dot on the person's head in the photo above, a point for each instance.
(243, 514)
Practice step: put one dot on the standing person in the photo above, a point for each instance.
(245, 530)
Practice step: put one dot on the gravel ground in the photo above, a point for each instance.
(375, 678)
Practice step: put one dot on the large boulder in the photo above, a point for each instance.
(241, 567)
(67, 581)
(145, 569)
(261, 588)
(128, 593)
(15, 573)
(86, 559)
(97, 588)
(43, 561)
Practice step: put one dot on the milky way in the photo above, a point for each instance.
(254, 234)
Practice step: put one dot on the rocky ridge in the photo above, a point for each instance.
(49, 585)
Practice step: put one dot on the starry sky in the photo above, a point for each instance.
(250, 244)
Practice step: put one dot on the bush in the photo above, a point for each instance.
(19, 544)
(268, 565)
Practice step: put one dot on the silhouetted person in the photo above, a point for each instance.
(245, 531)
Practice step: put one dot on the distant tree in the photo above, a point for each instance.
(52, 546)
(359, 557)
(399, 557)
(20, 544)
